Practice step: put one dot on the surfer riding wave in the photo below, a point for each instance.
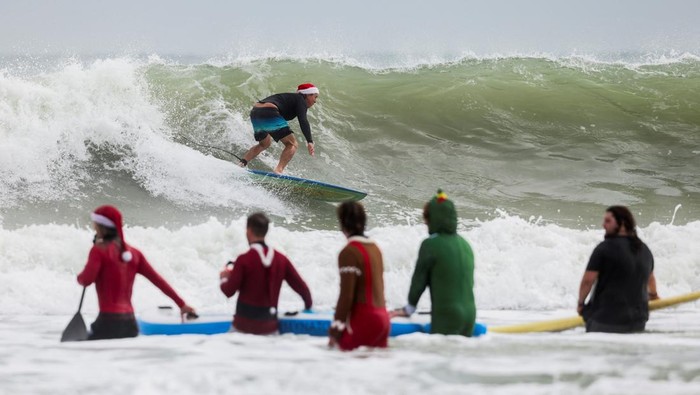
(269, 117)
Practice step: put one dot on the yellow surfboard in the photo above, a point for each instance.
(563, 324)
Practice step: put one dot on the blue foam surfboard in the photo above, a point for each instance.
(311, 189)
(313, 324)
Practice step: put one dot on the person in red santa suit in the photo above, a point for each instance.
(269, 117)
(112, 266)
(257, 276)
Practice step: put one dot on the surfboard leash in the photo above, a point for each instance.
(212, 147)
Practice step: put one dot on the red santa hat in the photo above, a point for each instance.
(307, 89)
(110, 217)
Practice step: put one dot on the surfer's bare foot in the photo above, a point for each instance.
(243, 163)
(278, 171)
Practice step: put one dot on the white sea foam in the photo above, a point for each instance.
(519, 264)
(663, 361)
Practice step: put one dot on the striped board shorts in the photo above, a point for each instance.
(267, 120)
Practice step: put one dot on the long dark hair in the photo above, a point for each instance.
(352, 218)
(623, 216)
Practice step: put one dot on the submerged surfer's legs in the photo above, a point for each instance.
(453, 319)
(369, 326)
(595, 326)
(113, 326)
(290, 148)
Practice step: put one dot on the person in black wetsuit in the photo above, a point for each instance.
(269, 117)
(622, 269)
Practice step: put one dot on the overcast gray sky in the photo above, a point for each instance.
(208, 27)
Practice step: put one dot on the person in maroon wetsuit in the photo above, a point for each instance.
(112, 265)
(360, 317)
(257, 276)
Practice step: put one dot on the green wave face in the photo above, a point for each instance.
(532, 135)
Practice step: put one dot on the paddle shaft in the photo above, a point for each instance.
(80, 306)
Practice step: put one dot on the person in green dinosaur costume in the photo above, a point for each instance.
(446, 265)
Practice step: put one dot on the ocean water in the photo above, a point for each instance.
(532, 149)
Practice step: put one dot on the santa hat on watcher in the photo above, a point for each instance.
(110, 217)
(307, 89)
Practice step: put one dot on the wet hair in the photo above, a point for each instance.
(258, 223)
(426, 213)
(352, 218)
(623, 216)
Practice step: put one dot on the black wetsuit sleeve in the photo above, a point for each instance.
(303, 121)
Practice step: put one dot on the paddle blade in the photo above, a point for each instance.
(76, 330)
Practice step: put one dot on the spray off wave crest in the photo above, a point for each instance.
(408, 61)
(75, 134)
